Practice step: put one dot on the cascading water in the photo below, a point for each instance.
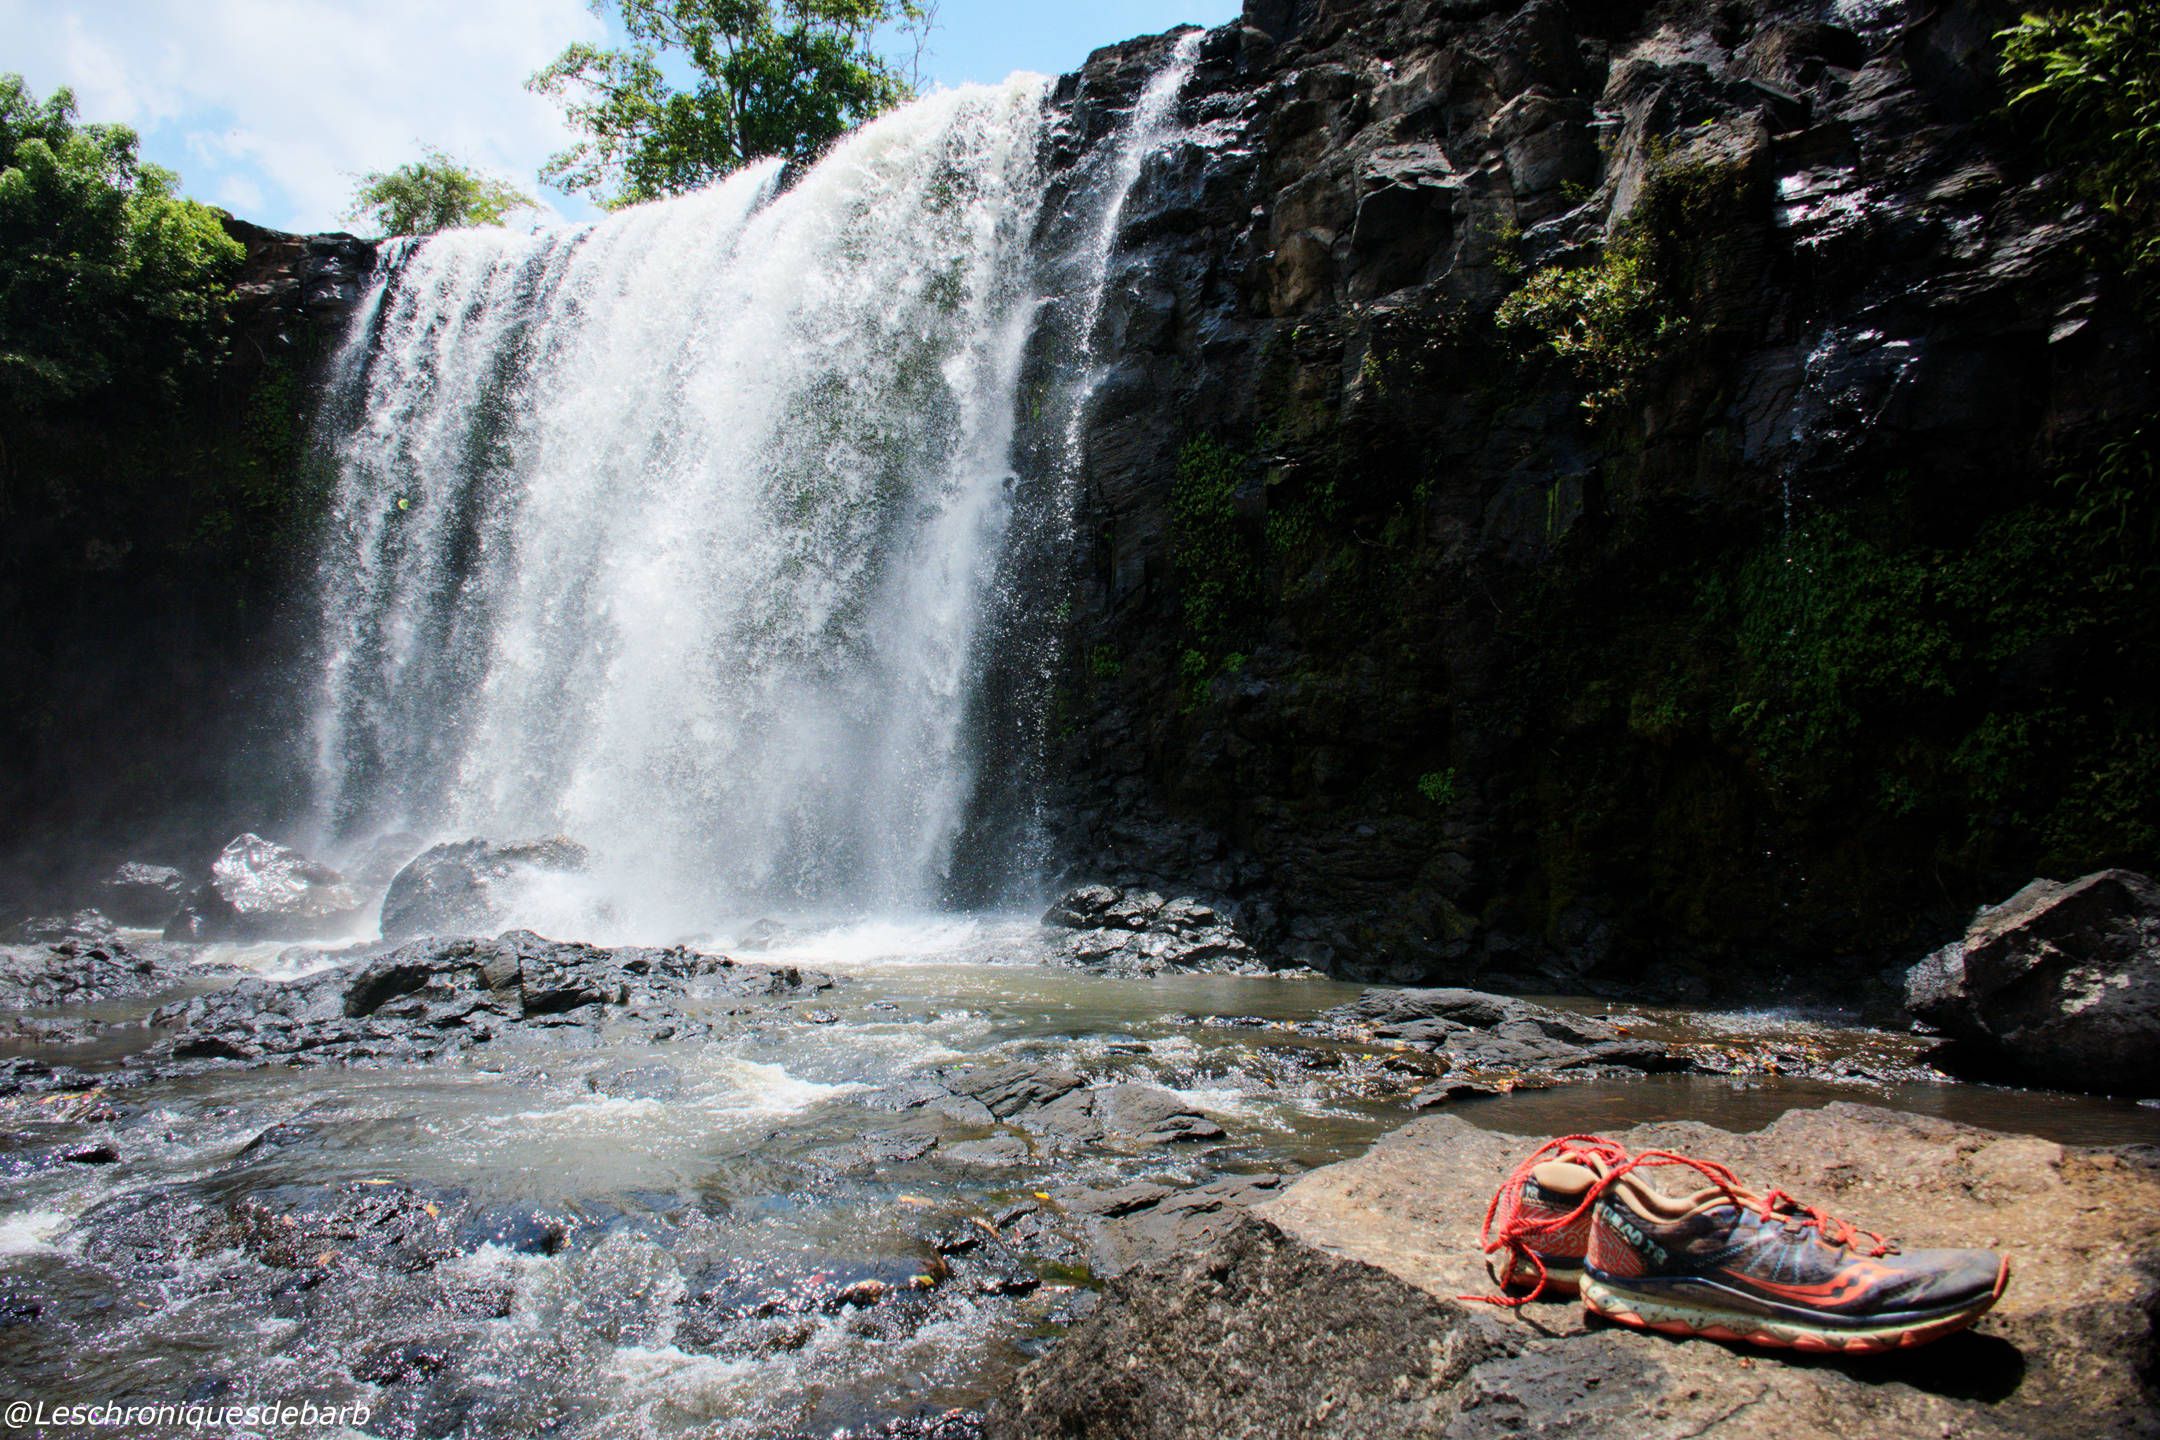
(672, 533)
(1013, 704)
(1151, 123)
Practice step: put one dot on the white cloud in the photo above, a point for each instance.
(271, 107)
(241, 195)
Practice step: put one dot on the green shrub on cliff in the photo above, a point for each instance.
(1615, 318)
(1605, 319)
(1212, 555)
(2001, 685)
(108, 280)
(2089, 80)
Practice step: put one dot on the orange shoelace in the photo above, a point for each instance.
(1515, 1229)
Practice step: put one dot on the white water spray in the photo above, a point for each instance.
(670, 533)
(677, 533)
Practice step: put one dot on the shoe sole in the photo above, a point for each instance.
(1561, 1278)
(1671, 1317)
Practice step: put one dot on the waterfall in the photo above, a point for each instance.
(1152, 123)
(1017, 705)
(670, 533)
(679, 533)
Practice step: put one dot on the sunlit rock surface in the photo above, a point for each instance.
(2059, 984)
(1334, 1310)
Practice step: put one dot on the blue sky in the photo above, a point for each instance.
(270, 108)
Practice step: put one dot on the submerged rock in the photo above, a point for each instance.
(2059, 984)
(436, 996)
(465, 888)
(145, 896)
(1332, 1310)
(74, 972)
(1474, 1031)
(261, 890)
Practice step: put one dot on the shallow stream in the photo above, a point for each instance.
(649, 1240)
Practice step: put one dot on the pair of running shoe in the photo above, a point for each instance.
(1580, 1216)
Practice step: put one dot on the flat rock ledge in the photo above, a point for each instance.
(1331, 1310)
(1477, 1033)
(435, 996)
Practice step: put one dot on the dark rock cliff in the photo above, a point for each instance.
(1753, 619)
(150, 557)
(1575, 490)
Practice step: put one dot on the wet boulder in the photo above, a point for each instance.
(1122, 1115)
(1009, 1087)
(261, 890)
(2059, 985)
(377, 863)
(468, 887)
(1136, 932)
(140, 895)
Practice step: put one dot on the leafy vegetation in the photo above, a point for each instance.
(1605, 319)
(433, 193)
(768, 78)
(2088, 80)
(1208, 548)
(1439, 788)
(1988, 686)
(1613, 319)
(109, 281)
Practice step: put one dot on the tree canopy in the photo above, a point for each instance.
(107, 278)
(768, 78)
(435, 192)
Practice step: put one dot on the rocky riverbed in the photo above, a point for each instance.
(1333, 1309)
(839, 1179)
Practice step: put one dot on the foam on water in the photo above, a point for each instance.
(899, 940)
(764, 1089)
(30, 1232)
(278, 959)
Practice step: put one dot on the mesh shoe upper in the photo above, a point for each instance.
(1770, 1256)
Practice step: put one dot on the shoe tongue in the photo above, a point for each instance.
(1708, 1198)
(1563, 1177)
